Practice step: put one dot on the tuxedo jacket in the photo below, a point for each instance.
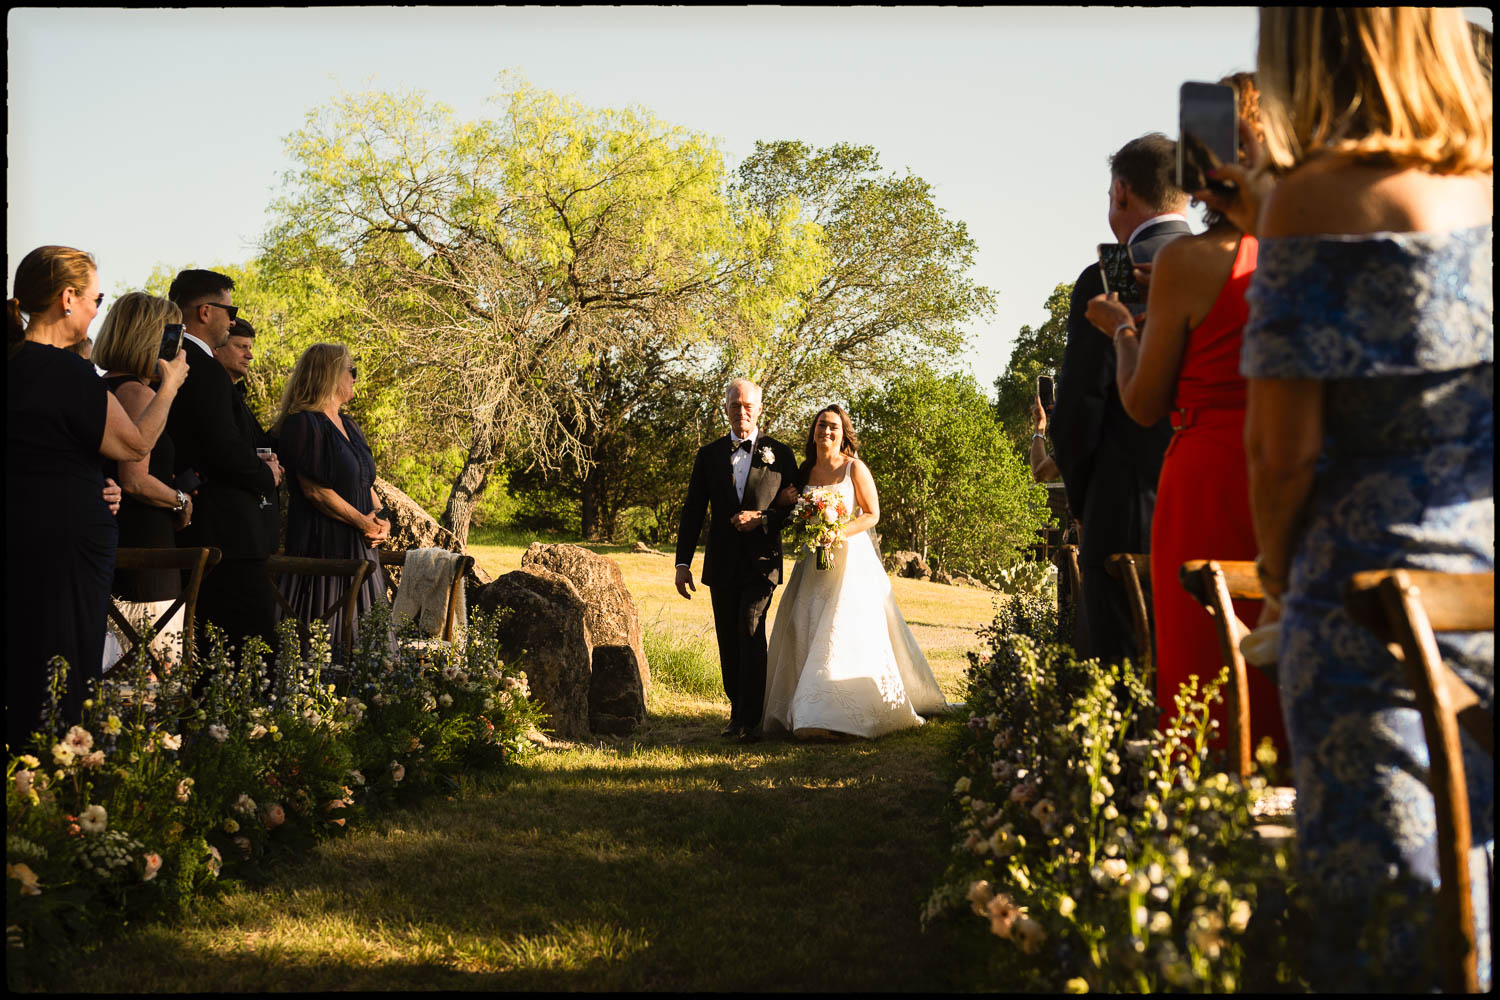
(210, 437)
(1109, 463)
(270, 521)
(734, 557)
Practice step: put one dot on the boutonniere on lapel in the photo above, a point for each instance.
(767, 456)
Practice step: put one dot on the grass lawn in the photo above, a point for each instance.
(672, 860)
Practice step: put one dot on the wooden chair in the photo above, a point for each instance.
(1134, 571)
(355, 569)
(1069, 579)
(197, 561)
(1215, 585)
(1404, 608)
(465, 564)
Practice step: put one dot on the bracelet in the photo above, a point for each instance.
(182, 502)
(1129, 323)
(1038, 434)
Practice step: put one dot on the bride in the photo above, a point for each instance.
(842, 659)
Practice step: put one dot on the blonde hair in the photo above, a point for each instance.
(313, 380)
(130, 338)
(41, 277)
(1386, 84)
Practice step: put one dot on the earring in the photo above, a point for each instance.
(67, 312)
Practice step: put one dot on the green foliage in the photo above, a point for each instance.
(1037, 351)
(214, 770)
(950, 485)
(685, 663)
(1103, 863)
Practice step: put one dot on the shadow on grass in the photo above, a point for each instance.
(704, 866)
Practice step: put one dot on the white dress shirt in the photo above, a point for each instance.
(739, 461)
(189, 336)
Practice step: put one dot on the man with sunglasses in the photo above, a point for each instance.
(212, 441)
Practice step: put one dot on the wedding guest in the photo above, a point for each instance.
(59, 530)
(154, 508)
(1183, 361)
(237, 595)
(1109, 463)
(235, 356)
(1370, 436)
(1043, 466)
(333, 504)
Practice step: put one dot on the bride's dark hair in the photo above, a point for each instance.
(850, 445)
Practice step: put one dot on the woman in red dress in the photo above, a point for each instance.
(1185, 360)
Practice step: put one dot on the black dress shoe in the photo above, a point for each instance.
(749, 736)
(733, 729)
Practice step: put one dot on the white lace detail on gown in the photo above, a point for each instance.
(841, 656)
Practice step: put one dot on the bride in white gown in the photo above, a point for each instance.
(842, 659)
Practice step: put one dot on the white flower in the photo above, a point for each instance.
(359, 779)
(257, 731)
(445, 700)
(61, 754)
(244, 805)
(23, 782)
(184, 789)
(767, 456)
(1003, 915)
(79, 740)
(171, 742)
(218, 732)
(215, 859)
(94, 819)
(1029, 935)
(979, 896)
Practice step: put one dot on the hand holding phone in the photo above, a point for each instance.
(1208, 123)
(1118, 272)
(171, 341)
(1044, 392)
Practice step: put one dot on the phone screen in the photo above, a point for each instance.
(1209, 137)
(171, 340)
(1044, 391)
(1116, 267)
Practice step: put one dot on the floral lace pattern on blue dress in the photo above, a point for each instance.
(1399, 328)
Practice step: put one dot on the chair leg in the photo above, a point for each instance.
(1237, 695)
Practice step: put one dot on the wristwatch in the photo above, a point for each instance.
(182, 502)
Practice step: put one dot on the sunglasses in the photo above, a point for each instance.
(354, 371)
(233, 311)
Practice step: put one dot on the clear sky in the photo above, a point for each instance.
(155, 136)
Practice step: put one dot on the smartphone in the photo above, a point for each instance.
(171, 340)
(1208, 129)
(1117, 270)
(1044, 392)
(188, 481)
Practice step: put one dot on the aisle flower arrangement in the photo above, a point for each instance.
(1096, 860)
(170, 784)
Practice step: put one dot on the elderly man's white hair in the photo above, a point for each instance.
(747, 389)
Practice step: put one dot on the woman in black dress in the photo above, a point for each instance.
(331, 511)
(153, 507)
(60, 532)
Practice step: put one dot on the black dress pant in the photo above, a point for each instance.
(236, 596)
(740, 609)
(1109, 629)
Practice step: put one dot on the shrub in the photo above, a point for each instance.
(1099, 861)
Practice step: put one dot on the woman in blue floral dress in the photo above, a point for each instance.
(1370, 439)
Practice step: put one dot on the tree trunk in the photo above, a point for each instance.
(468, 487)
(589, 504)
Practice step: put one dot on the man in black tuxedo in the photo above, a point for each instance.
(235, 356)
(1110, 463)
(209, 439)
(738, 477)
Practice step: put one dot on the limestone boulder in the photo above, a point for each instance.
(943, 577)
(908, 564)
(617, 702)
(541, 620)
(612, 616)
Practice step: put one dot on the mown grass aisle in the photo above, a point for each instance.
(670, 861)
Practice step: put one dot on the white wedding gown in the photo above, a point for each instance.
(841, 657)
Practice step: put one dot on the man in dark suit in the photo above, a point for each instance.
(210, 439)
(738, 477)
(235, 356)
(1110, 463)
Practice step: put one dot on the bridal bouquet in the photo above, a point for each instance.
(817, 522)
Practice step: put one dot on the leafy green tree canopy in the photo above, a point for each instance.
(1037, 351)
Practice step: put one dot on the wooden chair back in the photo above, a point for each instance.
(354, 569)
(1133, 569)
(1214, 585)
(1405, 608)
(196, 562)
(1069, 579)
(450, 617)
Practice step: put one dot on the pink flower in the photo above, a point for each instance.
(153, 865)
(1023, 793)
(398, 771)
(23, 782)
(1003, 913)
(979, 896)
(274, 816)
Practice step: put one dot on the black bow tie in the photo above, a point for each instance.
(744, 445)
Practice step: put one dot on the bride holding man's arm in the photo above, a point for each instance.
(842, 659)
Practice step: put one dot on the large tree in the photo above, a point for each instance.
(503, 265)
(1037, 351)
(951, 487)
